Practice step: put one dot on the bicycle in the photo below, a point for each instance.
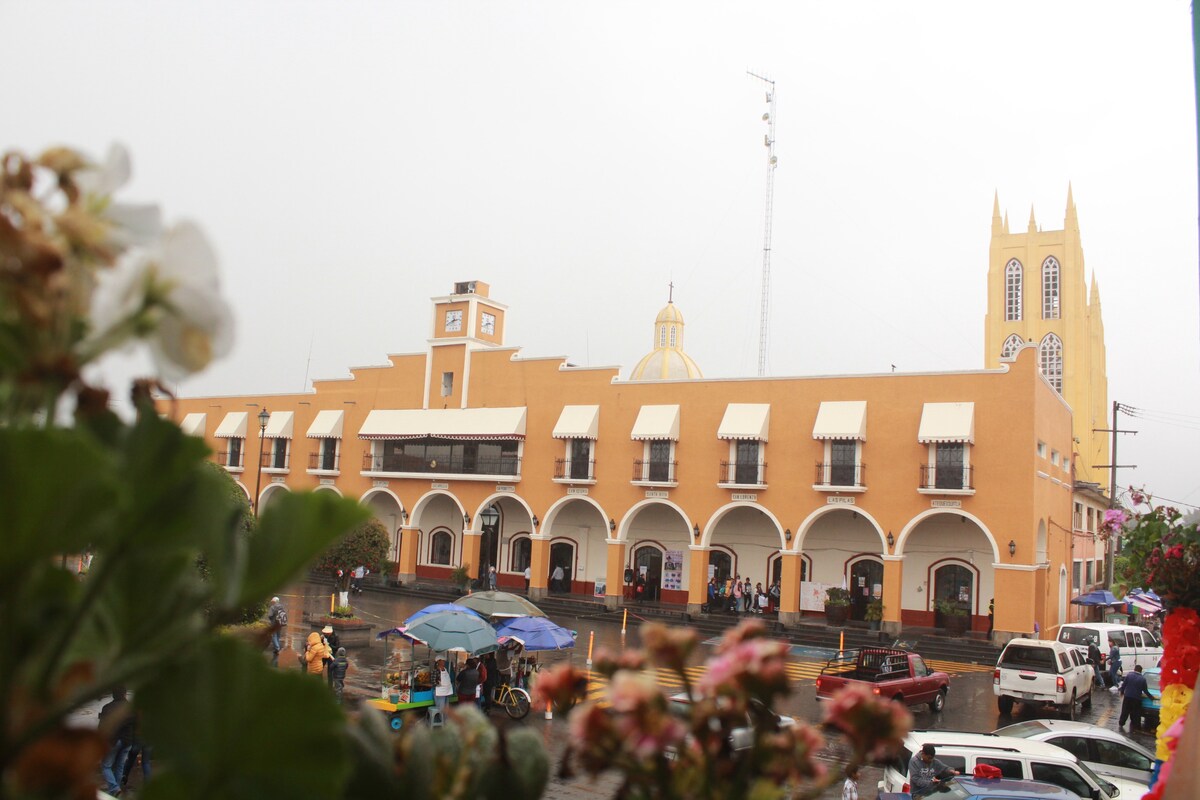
(514, 700)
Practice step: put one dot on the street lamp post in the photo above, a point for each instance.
(263, 417)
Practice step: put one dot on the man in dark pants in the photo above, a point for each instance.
(1132, 689)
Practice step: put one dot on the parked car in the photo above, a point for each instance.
(964, 788)
(896, 674)
(1137, 645)
(1152, 705)
(741, 738)
(1021, 759)
(1106, 751)
(1042, 672)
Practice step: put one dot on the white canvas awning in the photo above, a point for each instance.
(233, 426)
(445, 423)
(327, 425)
(279, 426)
(194, 424)
(841, 419)
(578, 422)
(745, 421)
(657, 422)
(947, 422)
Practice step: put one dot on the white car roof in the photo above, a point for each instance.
(1102, 626)
(980, 741)
(1055, 726)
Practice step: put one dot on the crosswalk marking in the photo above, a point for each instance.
(802, 672)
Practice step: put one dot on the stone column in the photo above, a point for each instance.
(698, 580)
(893, 583)
(615, 573)
(789, 587)
(406, 569)
(539, 566)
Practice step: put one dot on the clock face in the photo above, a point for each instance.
(487, 323)
(453, 321)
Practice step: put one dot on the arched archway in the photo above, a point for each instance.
(647, 571)
(1042, 553)
(270, 494)
(954, 585)
(385, 507)
(930, 544)
(661, 526)
(579, 520)
(866, 584)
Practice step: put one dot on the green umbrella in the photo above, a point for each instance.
(500, 604)
(454, 630)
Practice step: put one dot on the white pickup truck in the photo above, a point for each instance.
(1042, 672)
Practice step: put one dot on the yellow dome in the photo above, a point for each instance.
(667, 361)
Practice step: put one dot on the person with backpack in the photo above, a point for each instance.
(277, 619)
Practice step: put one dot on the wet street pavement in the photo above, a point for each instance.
(970, 705)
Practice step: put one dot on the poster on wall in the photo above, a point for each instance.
(600, 588)
(812, 596)
(672, 577)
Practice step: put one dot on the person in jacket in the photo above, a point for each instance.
(737, 596)
(332, 644)
(117, 718)
(747, 596)
(491, 679)
(1114, 664)
(1095, 658)
(315, 653)
(468, 681)
(926, 772)
(1132, 689)
(277, 620)
(337, 673)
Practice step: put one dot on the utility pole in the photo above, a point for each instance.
(769, 142)
(1112, 468)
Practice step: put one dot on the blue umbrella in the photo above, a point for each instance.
(1100, 597)
(435, 608)
(536, 633)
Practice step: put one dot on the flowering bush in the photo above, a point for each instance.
(719, 737)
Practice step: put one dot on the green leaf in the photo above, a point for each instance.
(56, 489)
(227, 724)
(292, 531)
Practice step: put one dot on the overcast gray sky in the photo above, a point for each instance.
(351, 159)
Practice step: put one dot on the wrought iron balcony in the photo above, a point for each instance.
(654, 471)
(223, 459)
(570, 469)
(829, 474)
(735, 473)
(326, 462)
(948, 478)
(505, 466)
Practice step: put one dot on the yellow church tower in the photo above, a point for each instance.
(1038, 296)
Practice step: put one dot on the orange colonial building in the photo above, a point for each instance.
(912, 488)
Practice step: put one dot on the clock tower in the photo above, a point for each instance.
(463, 321)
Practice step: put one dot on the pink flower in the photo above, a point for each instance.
(875, 726)
(669, 647)
(608, 663)
(561, 686)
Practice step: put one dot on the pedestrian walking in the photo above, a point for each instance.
(776, 592)
(116, 718)
(492, 578)
(1133, 688)
(991, 616)
(337, 673)
(356, 579)
(1114, 664)
(277, 620)
(747, 596)
(528, 574)
(556, 579)
(137, 750)
(491, 679)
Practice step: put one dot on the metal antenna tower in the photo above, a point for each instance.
(769, 141)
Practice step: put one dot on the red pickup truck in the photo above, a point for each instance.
(897, 674)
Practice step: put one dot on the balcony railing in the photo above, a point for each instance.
(574, 470)
(949, 478)
(327, 462)
(223, 459)
(496, 465)
(654, 471)
(734, 473)
(829, 474)
(269, 461)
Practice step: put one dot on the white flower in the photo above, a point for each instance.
(132, 224)
(168, 295)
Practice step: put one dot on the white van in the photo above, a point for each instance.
(1137, 645)
(1015, 758)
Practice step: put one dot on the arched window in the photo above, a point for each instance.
(521, 551)
(1050, 306)
(1052, 360)
(672, 336)
(440, 546)
(662, 336)
(1012, 291)
(1011, 345)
